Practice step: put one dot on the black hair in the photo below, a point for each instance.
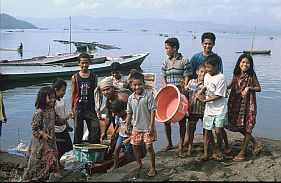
(137, 76)
(250, 71)
(115, 66)
(173, 42)
(117, 106)
(200, 66)
(213, 60)
(41, 97)
(208, 35)
(58, 83)
(84, 55)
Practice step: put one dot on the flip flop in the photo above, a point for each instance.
(237, 159)
(258, 150)
(164, 149)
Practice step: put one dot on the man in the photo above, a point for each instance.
(174, 69)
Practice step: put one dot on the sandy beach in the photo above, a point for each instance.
(263, 167)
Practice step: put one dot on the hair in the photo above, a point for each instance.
(117, 106)
(58, 83)
(115, 66)
(200, 66)
(137, 76)
(41, 97)
(213, 60)
(84, 55)
(208, 35)
(250, 71)
(173, 42)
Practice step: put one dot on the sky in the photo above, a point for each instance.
(243, 12)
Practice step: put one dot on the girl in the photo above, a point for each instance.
(42, 153)
(63, 140)
(242, 107)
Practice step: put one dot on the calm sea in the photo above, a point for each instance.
(19, 100)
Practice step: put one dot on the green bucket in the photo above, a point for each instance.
(90, 152)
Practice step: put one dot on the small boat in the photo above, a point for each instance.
(44, 68)
(267, 52)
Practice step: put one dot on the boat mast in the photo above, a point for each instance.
(70, 34)
(253, 41)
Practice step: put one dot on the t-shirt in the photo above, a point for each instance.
(60, 111)
(122, 126)
(195, 106)
(141, 110)
(215, 85)
(198, 59)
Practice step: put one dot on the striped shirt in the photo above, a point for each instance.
(175, 70)
(195, 106)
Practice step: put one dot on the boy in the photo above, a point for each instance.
(141, 109)
(119, 81)
(118, 108)
(215, 114)
(174, 69)
(82, 103)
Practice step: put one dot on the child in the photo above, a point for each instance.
(3, 118)
(119, 81)
(196, 108)
(242, 107)
(215, 114)
(119, 109)
(42, 152)
(63, 140)
(141, 109)
(82, 102)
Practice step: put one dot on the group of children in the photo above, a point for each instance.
(203, 83)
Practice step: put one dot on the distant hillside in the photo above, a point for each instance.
(9, 22)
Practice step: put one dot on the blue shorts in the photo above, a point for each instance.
(128, 148)
(212, 121)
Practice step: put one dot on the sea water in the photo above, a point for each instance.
(19, 99)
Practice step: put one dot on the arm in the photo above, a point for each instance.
(115, 131)
(128, 121)
(71, 105)
(107, 123)
(255, 88)
(37, 127)
(152, 122)
(164, 82)
(229, 85)
(202, 98)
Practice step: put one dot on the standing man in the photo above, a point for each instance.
(174, 69)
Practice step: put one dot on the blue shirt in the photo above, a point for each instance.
(198, 59)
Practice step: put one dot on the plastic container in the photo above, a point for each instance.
(90, 152)
(171, 104)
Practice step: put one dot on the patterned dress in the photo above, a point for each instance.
(41, 158)
(242, 111)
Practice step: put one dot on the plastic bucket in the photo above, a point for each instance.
(90, 152)
(171, 104)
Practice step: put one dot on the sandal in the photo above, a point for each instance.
(238, 159)
(257, 150)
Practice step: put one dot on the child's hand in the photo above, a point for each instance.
(5, 120)
(126, 141)
(71, 114)
(45, 136)
(200, 97)
(245, 92)
(99, 114)
(150, 129)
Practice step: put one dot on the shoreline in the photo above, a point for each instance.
(263, 167)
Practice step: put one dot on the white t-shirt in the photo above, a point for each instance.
(60, 111)
(216, 85)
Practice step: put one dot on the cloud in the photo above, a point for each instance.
(83, 6)
(146, 4)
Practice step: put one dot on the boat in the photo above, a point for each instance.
(266, 52)
(46, 68)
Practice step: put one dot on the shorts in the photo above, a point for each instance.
(138, 137)
(212, 121)
(193, 118)
(128, 148)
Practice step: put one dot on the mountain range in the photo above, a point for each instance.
(114, 23)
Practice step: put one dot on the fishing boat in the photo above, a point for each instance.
(266, 52)
(40, 69)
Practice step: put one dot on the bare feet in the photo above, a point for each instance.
(112, 168)
(188, 154)
(202, 158)
(137, 168)
(167, 148)
(151, 173)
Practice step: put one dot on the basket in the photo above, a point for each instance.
(90, 152)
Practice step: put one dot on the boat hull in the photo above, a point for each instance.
(18, 73)
(266, 52)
